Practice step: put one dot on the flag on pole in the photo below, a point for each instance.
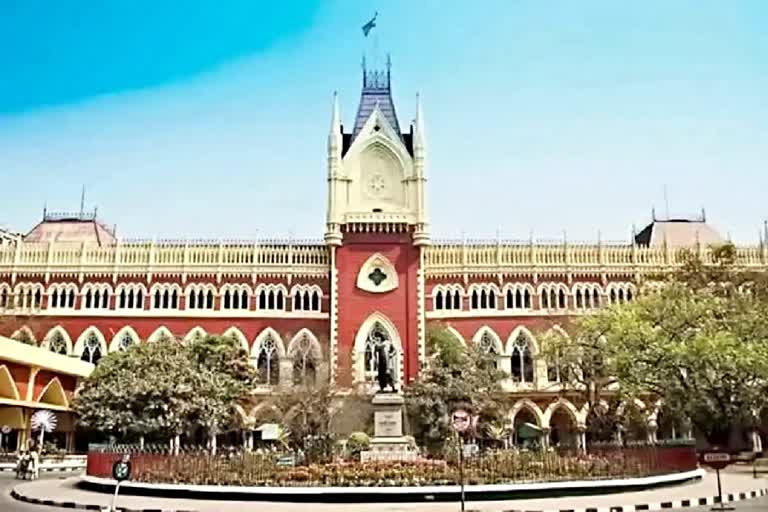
(369, 26)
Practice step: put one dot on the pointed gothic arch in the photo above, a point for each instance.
(24, 334)
(124, 338)
(566, 405)
(456, 334)
(486, 338)
(91, 345)
(267, 352)
(307, 356)
(161, 332)
(53, 394)
(376, 329)
(234, 332)
(57, 340)
(8, 388)
(516, 333)
(194, 333)
(530, 405)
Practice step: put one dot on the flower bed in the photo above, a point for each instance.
(249, 469)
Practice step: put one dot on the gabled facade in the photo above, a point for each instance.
(314, 311)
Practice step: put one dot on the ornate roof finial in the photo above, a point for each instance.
(653, 213)
(334, 137)
(703, 215)
(765, 230)
(419, 135)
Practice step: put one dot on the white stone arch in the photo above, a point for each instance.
(567, 405)
(114, 345)
(361, 338)
(489, 291)
(194, 332)
(317, 351)
(381, 147)
(498, 346)
(234, 332)
(533, 344)
(64, 335)
(456, 334)
(263, 335)
(526, 403)
(24, 330)
(513, 288)
(636, 402)
(80, 343)
(159, 333)
(276, 289)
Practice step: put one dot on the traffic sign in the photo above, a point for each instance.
(716, 459)
(121, 470)
(461, 420)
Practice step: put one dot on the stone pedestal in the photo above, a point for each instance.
(388, 442)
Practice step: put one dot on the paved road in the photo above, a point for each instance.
(8, 504)
(754, 505)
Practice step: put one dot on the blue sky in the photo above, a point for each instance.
(209, 119)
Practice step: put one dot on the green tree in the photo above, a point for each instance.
(699, 343)
(456, 377)
(166, 388)
(147, 389)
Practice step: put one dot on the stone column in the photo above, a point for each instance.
(757, 442)
(545, 438)
(286, 373)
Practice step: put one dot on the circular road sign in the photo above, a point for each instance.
(461, 420)
(716, 459)
(121, 470)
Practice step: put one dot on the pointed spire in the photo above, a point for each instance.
(334, 137)
(765, 231)
(419, 135)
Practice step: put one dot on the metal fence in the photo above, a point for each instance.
(492, 467)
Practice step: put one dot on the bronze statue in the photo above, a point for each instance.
(384, 376)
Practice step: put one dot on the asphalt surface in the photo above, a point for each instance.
(8, 504)
(754, 505)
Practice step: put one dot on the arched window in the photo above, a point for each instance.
(57, 344)
(227, 300)
(315, 301)
(279, 299)
(488, 344)
(439, 300)
(263, 299)
(456, 300)
(3, 298)
(243, 299)
(304, 363)
(378, 336)
(54, 299)
(268, 362)
(579, 298)
(544, 299)
(125, 342)
(475, 300)
(88, 299)
(561, 299)
(297, 301)
(522, 361)
(91, 349)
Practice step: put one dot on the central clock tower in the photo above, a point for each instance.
(376, 229)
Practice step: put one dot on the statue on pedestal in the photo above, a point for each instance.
(384, 375)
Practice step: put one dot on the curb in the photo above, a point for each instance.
(82, 506)
(676, 504)
(48, 470)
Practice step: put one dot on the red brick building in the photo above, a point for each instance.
(317, 309)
